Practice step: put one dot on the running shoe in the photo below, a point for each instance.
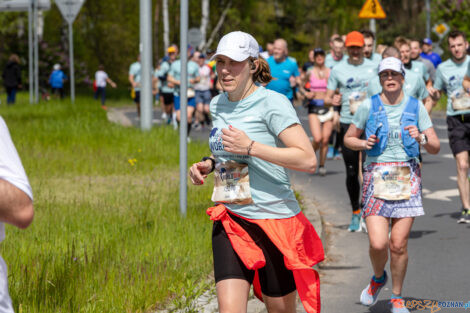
(322, 171)
(330, 153)
(371, 292)
(355, 223)
(464, 217)
(398, 306)
(336, 155)
(164, 116)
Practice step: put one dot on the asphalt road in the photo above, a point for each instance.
(439, 248)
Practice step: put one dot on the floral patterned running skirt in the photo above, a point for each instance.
(392, 208)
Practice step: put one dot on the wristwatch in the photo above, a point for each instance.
(423, 139)
(212, 161)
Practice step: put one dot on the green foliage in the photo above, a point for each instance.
(107, 234)
(107, 31)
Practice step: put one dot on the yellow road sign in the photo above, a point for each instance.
(372, 9)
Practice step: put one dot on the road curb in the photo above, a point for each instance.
(118, 116)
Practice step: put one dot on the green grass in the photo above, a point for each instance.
(107, 234)
(441, 105)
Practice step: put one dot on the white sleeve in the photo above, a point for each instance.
(11, 168)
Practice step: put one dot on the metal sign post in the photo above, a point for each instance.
(146, 114)
(32, 7)
(30, 50)
(36, 51)
(69, 10)
(183, 106)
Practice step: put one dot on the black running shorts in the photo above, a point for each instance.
(458, 130)
(275, 279)
(168, 98)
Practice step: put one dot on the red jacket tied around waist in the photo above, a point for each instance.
(297, 240)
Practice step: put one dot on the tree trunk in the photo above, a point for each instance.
(166, 26)
(156, 23)
(219, 24)
(204, 23)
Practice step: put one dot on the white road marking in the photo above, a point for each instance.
(443, 195)
(445, 140)
(426, 191)
(454, 178)
(448, 156)
(440, 126)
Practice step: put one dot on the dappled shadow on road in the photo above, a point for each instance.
(328, 173)
(453, 215)
(420, 233)
(433, 161)
(337, 267)
(343, 227)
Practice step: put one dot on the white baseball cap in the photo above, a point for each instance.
(56, 67)
(238, 46)
(392, 63)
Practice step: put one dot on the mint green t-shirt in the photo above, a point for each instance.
(163, 71)
(135, 70)
(419, 68)
(175, 72)
(395, 151)
(263, 115)
(375, 58)
(413, 86)
(449, 77)
(330, 61)
(352, 81)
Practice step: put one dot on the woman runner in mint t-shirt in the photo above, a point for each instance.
(395, 125)
(259, 236)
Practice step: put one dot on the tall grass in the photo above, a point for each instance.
(107, 234)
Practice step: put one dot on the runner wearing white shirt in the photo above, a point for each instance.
(203, 92)
(101, 78)
(16, 206)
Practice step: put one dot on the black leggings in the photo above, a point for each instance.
(351, 161)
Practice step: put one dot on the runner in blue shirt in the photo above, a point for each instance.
(284, 70)
(56, 80)
(428, 54)
(449, 77)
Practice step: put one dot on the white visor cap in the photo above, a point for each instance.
(238, 46)
(392, 63)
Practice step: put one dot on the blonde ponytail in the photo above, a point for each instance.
(263, 72)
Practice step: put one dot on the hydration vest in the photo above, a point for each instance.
(377, 124)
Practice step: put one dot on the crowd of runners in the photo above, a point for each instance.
(373, 107)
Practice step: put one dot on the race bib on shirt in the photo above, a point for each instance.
(232, 183)
(355, 100)
(392, 183)
(460, 100)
